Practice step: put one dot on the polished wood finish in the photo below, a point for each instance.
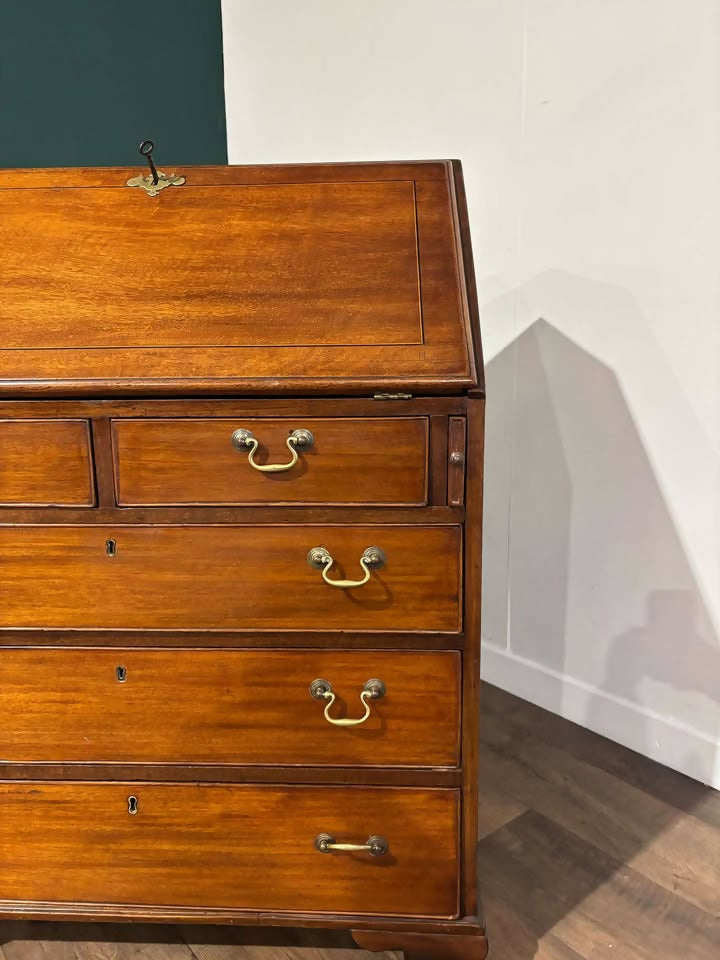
(335, 297)
(260, 407)
(208, 175)
(457, 458)
(229, 577)
(619, 892)
(230, 846)
(434, 946)
(232, 773)
(439, 461)
(45, 463)
(200, 516)
(468, 287)
(471, 655)
(351, 285)
(229, 707)
(219, 639)
(104, 473)
(352, 461)
(315, 254)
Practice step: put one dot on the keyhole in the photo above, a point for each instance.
(110, 548)
(121, 674)
(133, 805)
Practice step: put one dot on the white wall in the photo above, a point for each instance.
(590, 137)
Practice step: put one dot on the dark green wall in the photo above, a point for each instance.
(83, 81)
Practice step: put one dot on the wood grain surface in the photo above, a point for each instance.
(544, 897)
(231, 577)
(248, 847)
(457, 457)
(157, 649)
(269, 286)
(286, 265)
(228, 707)
(45, 463)
(352, 461)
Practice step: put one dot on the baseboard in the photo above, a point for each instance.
(667, 741)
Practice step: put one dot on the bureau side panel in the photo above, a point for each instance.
(471, 653)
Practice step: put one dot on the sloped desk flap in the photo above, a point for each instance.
(313, 279)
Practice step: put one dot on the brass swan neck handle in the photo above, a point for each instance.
(322, 690)
(243, 440)
(320, 558)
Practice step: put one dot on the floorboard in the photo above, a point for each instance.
(669, 846)
(588, 900)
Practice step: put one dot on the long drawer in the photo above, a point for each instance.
(238, 846)
(375, 460)
(230, 706)
(265, 577)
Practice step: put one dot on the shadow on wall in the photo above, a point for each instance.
(592, 611)
(527, 509)
(585, 575)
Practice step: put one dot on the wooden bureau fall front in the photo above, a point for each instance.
(241, 444)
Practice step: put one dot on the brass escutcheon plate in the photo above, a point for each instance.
(152, 189)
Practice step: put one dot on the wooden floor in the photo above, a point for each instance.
(588, 851)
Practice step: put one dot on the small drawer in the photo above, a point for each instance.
(45, 463)
(230, 707)
(253, 461)
(378, 578)
(237, 847)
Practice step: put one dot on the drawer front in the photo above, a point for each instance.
(45, 463)
(228, 707)
(238, 846)
(229, 578)
(347, 461)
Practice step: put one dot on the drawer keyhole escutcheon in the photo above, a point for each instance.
(133, 804)
(111, 548)
(375, 846)
(322, 690)
(121, 674)
(244, 440)
(320, 558)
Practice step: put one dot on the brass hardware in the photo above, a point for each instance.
(392, 396)
(121, 674)
(133, 804)
(320, 559)
(111, 548)
(156, 180)
(146, 150)
(244, 440)
(456, 458)
(375, 846)
(322, 690)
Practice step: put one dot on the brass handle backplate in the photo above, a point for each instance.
(322, 690)
(244, 440)
(319, 558)
(375, 846)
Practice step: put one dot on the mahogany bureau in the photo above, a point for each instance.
(241, 444)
